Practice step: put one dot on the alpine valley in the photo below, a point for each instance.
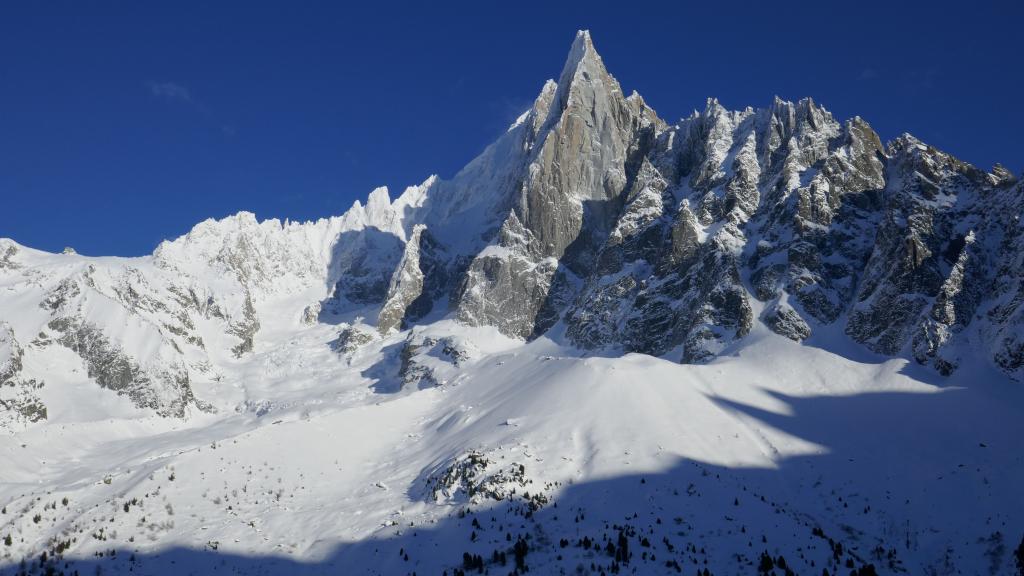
(753, 341)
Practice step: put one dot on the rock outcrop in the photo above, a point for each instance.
(585, 152)
(20, 404)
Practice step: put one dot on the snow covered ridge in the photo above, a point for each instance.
(609, 343)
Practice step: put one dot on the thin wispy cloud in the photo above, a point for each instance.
(922, 78)
(868, 74)
(171, 91)
(174, 92)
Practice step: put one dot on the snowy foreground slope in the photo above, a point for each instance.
(750, 341)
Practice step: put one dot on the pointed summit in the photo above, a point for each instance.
(582, 49)
(583, 63)
(565, 201)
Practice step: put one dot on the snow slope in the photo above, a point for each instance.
(328, 462)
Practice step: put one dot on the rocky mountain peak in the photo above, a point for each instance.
(592, 212)
(584, 81)
(1003, 175)
(582, 58)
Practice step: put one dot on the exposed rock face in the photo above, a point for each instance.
(413, 370)
(352, 337)
(813, 246)
(506, 287)
(311, 313)
(1003, 312)
(166, 391)
(475, 478)
(418, 281)
(10, 354)
(924, 275)
(245, 328)
(134, 328)
(785, 321)
(366, 252)
(588, 138)
(8, 250)
(952, 308)
(429, 361)
(20, 404)
(715, 171)
(367, 269)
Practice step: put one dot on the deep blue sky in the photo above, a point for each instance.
(122, 124)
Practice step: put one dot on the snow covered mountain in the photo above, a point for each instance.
(750, 340)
